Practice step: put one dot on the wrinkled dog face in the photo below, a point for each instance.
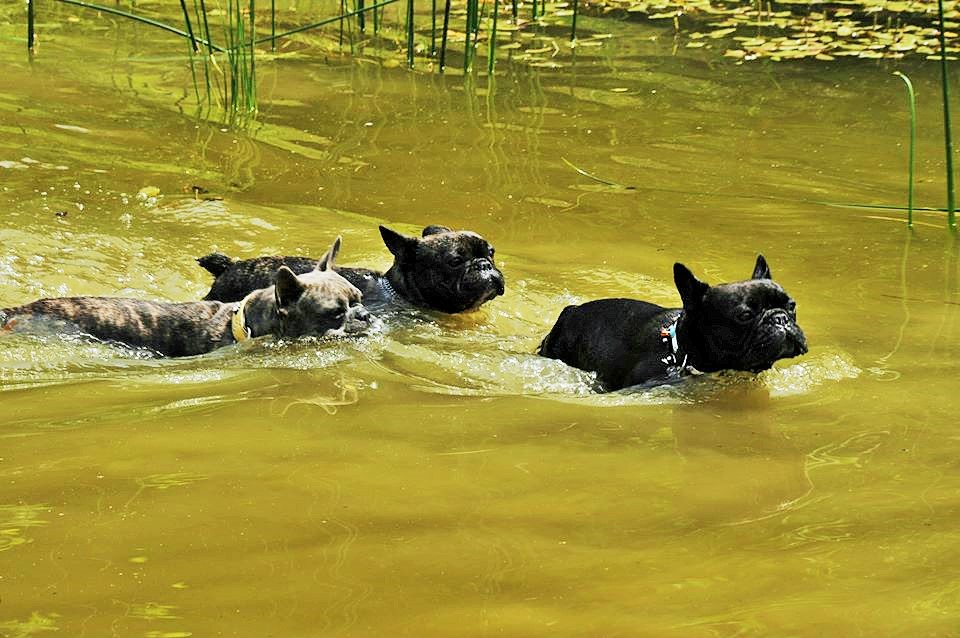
(452, 271)
(757, 320)
(747, 325)
(319, 303)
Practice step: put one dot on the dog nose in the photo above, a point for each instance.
(501, 287)
(362, 314)
(496, 278)
(780, 318)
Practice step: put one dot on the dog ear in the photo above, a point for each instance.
(434, 229)
(761, 270)
(288, 288)
(400, 246)
(327, 261)
(690, 288)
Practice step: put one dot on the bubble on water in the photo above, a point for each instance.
(802, 375)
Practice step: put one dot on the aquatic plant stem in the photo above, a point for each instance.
(138, 18)
(433, 28)
(471, 17)
(948, 142)
(273, 24)
(492, 40)
(409, 33)
(251, 105)
(336, 18)
(912, 99)
(30, 32)
(206, 26)
(186, 20)
(573, 26)
(443, 41)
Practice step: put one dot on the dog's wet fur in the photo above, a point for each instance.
(444, 270)
(317, 303)
(745, 325)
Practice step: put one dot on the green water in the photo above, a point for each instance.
(439, 479)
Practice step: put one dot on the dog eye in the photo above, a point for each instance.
(744, 316)
(492, 251)
(455, 262)
(792, 307)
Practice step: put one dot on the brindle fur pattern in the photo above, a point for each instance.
(317, 303)
(446, 270)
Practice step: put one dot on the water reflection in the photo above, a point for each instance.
(441, 479)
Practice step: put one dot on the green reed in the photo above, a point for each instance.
(409, 32)
(573, 26)
(492, 40)
(31, 35)
(947, 138)
(446, 29)
(912, 99)
(469, 45)
(186, 20)
(273, 25)
(433, 28)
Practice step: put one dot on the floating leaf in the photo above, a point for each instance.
(720, 33)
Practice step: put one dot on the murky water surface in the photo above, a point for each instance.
(439, 479)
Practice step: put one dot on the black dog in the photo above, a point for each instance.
(319, 303)
(746, 325)
(446, 270)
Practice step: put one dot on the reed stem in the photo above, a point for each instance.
(947, 136)
(912, 99)
(409, 33)
(433, 28)
(573, 28)
(206, 26)
(325, 21)
(186, 20)
(138, 18)
(30, 32)
(492, 40)
(443, 42)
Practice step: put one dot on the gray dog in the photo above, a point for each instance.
(745, 325)
(318, 303)
(446, 270)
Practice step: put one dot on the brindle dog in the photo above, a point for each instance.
(317, 303)
(446, 270)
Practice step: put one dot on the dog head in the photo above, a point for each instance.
(745, 325)
(445, 270)
(319, 303)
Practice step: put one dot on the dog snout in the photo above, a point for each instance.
(780, 318)
(362, 314)
(495, 277)
(498, 282)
